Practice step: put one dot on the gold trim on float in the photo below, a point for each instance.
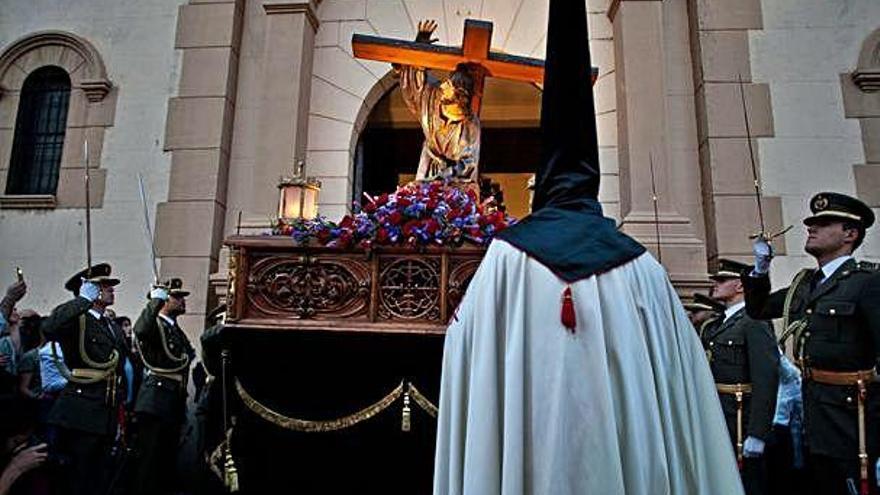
(422, 401)
(295, 424)
(304, 425)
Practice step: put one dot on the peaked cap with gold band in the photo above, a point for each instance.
(99, 274)
(840, 207)
(729, 269)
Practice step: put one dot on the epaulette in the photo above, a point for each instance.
(868, 266)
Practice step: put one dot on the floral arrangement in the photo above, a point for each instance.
(417, 214)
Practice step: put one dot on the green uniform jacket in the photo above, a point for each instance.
(743, 350)
(842, 333)
(158, 395)
(84, 407)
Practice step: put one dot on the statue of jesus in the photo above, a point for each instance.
(452, 131)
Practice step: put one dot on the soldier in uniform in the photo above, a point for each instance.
(744, 359)
(86, 412)
(160, 407)
(832, 313)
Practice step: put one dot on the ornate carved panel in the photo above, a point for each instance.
(274, 283)
(309, 286)
(409, 288)
(461, 271)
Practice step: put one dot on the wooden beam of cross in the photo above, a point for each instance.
(474, 49)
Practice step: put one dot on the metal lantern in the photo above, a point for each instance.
(298, 197)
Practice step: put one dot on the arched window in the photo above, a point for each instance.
(39, 132)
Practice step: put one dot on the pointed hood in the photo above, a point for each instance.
(567, 232)
(570, 150)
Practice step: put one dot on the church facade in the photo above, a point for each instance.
(212, 101)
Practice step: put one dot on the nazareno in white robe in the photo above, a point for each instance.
(624, 405)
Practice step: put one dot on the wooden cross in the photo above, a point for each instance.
(474, 49)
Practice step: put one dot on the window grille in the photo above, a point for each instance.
(39, 132)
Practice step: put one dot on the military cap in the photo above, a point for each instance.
(99, 274)
(729, 269)
(702, 302)
(175, 288)
(831, 205)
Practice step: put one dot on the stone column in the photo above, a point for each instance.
(189, 225)
(282, 123)
(271, 122)
(656, 123)
(720, 47)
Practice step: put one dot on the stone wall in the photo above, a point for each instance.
(806, 53)
(135, 42)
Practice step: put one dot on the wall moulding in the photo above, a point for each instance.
(867, 73)
(86, 69)
(91, 111)
(307, 8)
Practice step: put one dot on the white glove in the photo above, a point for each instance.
(159, 293)
(763, 252)
(89, 290)
(753, 447)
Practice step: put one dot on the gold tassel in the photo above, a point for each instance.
(406, 422)
(230, 472)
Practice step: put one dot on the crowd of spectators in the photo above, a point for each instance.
(32, 374)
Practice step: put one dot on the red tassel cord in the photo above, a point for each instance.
(569, 320)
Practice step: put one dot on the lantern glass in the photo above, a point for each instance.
(310, 202)
(290, 202)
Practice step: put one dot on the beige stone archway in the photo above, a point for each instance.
(92, 109)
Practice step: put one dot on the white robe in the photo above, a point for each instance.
(625, 405)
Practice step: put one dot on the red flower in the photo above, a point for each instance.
(345, 239)
(409, 227)
(346, 222)
(432, 226)
(395, 217)
(382, 235)
(370, 208)
(403, 202)
(324, 236)
(382, 199)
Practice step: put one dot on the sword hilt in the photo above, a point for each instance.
(770, 237)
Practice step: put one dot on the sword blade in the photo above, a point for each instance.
(755, 179)
(88, 210)
(656, 212)
(148, 231)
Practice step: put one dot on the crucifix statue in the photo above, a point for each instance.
(448, 110)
